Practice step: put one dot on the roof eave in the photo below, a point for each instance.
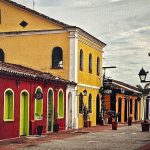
(83, 32)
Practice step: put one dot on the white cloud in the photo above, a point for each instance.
(134, 31)
(116, 0)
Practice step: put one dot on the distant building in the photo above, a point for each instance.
(123, 99)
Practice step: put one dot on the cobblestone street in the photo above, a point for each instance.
(126, 137)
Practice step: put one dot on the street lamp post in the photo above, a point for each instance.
(142, 74)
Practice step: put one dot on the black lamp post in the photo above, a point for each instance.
(142, 74)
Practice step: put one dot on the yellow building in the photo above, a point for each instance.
(34, 40)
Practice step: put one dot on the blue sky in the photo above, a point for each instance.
(124, 25)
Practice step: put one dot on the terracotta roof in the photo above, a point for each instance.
(64, 25)
(24, 72)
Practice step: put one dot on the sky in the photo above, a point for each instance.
(124, 25)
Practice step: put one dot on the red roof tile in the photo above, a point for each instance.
(24, 72)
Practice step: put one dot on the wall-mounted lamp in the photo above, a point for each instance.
(84, 93)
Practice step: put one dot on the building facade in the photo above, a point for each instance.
(123, 99)
(45, 44)
(28, 99)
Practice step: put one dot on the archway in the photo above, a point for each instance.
(1, 55)
(70, 110)
(50, 110)
(125, 110)
(119, 108)
(97, 109)
(136, 110)
(24, 113)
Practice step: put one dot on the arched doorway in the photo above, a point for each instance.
(131, 103)
(69, 110)
(24, 113)
(136, 110)
(97, 109)
(125, 110)
(50, 110)
(119, 108)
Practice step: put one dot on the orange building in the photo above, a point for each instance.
(124, 99)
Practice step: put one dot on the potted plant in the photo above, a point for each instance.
(110, 120)
(145, 125)
(111, 115)
(86, 116)
(55, 125)
(101, 119)
(114, 124)
(114, 121)
(38, 116)
(39, 130)
(130, 121)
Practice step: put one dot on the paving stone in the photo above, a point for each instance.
(95, 138)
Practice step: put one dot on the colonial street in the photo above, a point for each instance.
(125, 137)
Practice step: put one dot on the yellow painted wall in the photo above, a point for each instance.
(84, 77)
(35, 51)
(12, 16)
(85, 100)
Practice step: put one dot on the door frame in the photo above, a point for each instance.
(50, 89)
(28, 109)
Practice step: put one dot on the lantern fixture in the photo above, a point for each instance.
(84, 93)
(142, 74)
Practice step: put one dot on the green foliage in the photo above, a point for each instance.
(85, 113)
(113, 114)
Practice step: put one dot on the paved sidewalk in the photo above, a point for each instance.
(30, 141)
(99, 137)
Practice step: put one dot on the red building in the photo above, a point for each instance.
(28, 99)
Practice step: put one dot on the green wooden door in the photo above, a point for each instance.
(24, 114)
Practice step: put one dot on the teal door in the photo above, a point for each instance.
(24, 114)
